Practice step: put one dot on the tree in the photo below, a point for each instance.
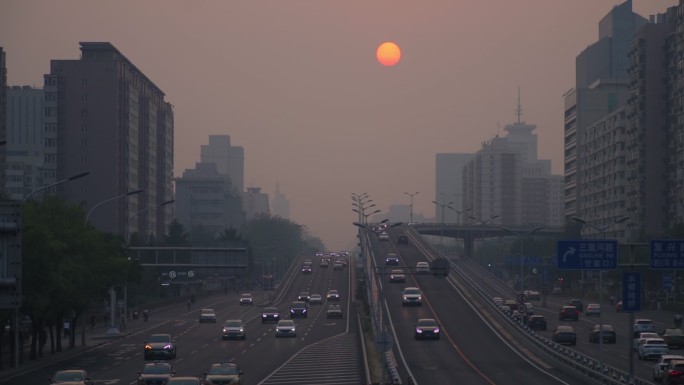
(177, 235)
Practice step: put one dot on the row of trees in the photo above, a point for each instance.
(69, 266)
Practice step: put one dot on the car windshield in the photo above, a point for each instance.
(68, 376)
(223, 369)
(297, 305)
(426, 322)
(233, 324)
(182, 381)
(270, 310)
(286, 323)
(160, 338)
(246, 296)
(156, 369)
(411, 291)
(207, 311)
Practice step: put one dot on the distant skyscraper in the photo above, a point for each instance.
(25, 141)
(107, 117)
(255, 202)
(230, 160)
(280, 204)
(3, 113)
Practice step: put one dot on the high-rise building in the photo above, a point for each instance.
(25, 142)
(280, 205)
(107, 117)
(601, 87)
(3, 113)
(229, 160)
(255, 202)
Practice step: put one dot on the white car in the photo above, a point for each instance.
(285, 328)
(593, 309)
(315, 299)
(246, 299)
(661, 366)
(207, 315)
(652, 348)
(638, 336)
(233, 329)
(422, 267)
(644, 325)
(411, 296)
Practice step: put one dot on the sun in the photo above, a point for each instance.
(388, 53)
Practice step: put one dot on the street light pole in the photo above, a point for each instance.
(113, 330)
(441, 228)
(412, 195)
(602, 231)
(482, 223)
(520, 236)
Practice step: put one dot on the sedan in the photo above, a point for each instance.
(593, 309)
(304, 296)
(270, 314)
(285, 328)
(333, 295)
(246, 299)
(207, 315)
(233, 329)
(160, 346)
(564, 334)
(660, 367)
(223, 373)
(315, 299)
(184, 381)
(536, 322)
(71, 377)
(568, 312)
(334, 311)
(155, 373)
(427, 328)
(652, 348)
(608, 333)
(397, 275)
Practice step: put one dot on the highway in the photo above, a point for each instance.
(324, 351)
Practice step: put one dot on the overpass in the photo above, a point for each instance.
(468, 233)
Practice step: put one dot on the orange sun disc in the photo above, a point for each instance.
(388, 54)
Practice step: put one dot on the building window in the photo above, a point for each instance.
(84, 82)
(50, 142)
(84, 97)
(84, 113)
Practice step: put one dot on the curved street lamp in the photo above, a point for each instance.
(441, 228)
(412, 195)
(74, 177)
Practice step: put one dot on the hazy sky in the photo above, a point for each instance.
(297, 84)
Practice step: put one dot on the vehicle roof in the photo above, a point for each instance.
(208, 310)
(565, 328)
(643, 320)
(421, 263)
(286, 321)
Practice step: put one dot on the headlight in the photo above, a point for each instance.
(169, 346)
(242, 330)
(225, 330)
(264, 315)
(419, 330)
(437, 330)
(148, 347)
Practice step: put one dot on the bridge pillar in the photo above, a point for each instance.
(469, 245)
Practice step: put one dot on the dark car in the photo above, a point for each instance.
(402, 240)
(233, 329)
(223, 373)
(568, 312)
(71, 377)
(674, 337)
(427, 328)
(334, 311)
(577, 303)
(306, 269)
(304, 296)
(298, 309)
(160, 346)
(564, 334)
(608, 334)
(155, 373)
(536, 322)
(392, 260)
(674, 373)
(332, 295)
(270, 314)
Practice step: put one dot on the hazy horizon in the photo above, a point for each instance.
(297, 83)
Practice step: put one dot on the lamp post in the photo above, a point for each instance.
(601, 230)
(458, 214)
(482, 223)
(411, 207)
(74, 177)
(113, 330)
(441, 228)
(168, 202)
(520, 236)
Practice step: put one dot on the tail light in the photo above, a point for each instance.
(676, 373)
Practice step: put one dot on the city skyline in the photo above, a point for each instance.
(315, 112)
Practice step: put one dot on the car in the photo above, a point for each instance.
(246, 299)
(285, 328)
(397, 275)
(315, 299)
(593, 309)
(334, 311)
(223, 373)
(557, 290)
(270, 314)
(608, 333)
(644, 325)
(233, 329)
(565, 335)
(155, 373)
(304, 296)
(298, 309)
(342, 261)
(422, 267)
(402, 240)
(411, 296)
(207, 315)
(533, 295)
(392, 260)
(426, 328)
(638, 336)
(319, 253)
(652, 348)
(577, 303)
(568, 312)
(536, 322)
(306, 269)
(660, 367)
(338, 266)
(333, 295)
(160, 346)
(673, 373)
(384, 236)
(673, 337)
(184, 381)
(325, 262)
(71, 377)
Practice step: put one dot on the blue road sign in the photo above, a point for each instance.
(588, 254)
(667, 281)
(631, 292)
(667, 254)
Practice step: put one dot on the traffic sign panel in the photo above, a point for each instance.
(587, 254)
(631, 292)
(666, 254)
